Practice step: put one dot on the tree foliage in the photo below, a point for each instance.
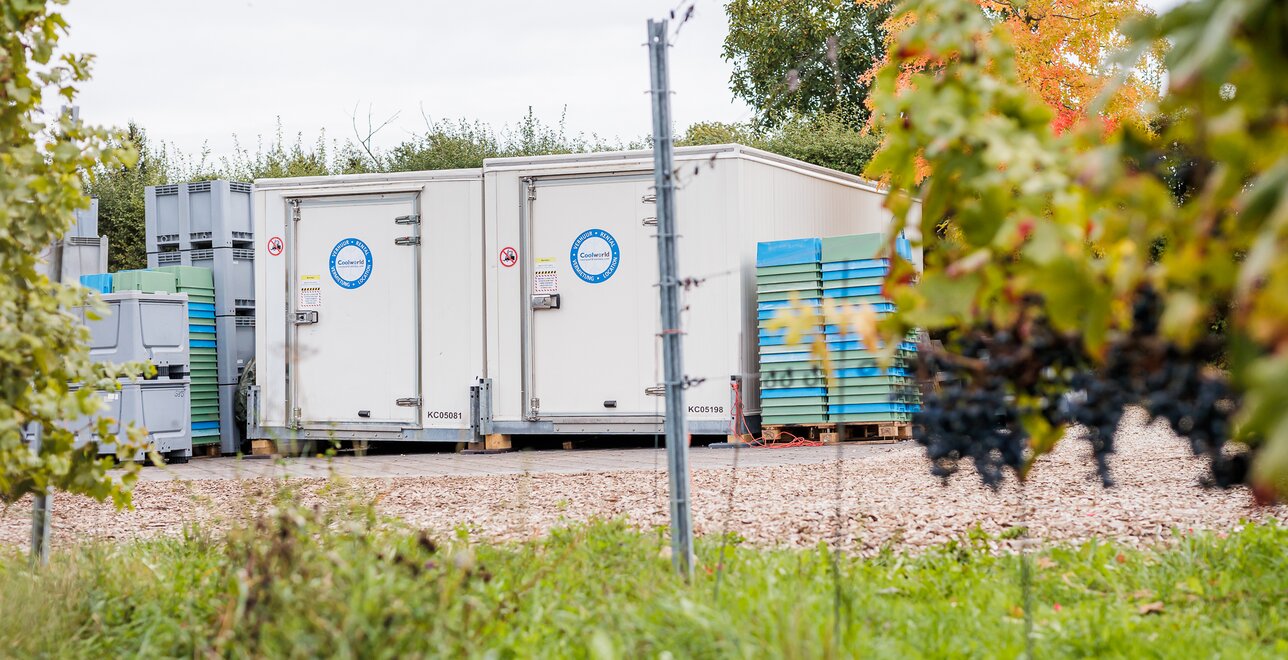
(119, 187)
(1063, 51)
(827, 140)
(463, 144)
(1041, 265)
(797, 59)
(43, 346)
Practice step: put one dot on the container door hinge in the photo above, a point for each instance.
(407, 240)
(409, 402)
(650, 198)
(295, 210)
(532, 188)
(656, 390)
(650, 221)
(535, 404)
(413, 219)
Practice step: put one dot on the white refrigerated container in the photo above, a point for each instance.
(369, 306)
(572, 325)
(523, 297)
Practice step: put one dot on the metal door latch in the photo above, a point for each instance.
(409, 402)
(407, 240)
(656, 390)
(306, 318)
(650, 221)
(545, 301)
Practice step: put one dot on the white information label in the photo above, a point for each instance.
(545, 276)
(310, 291)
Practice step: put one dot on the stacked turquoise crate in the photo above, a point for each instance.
(792, 387)
(861, 391)
(199, 284)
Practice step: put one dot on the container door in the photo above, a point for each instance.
(593, 294)
(356, 312)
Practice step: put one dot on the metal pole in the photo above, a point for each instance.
(43, 503)
(677, 440)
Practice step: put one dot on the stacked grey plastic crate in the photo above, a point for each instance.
(81, 252)
(144, 327)
(208, 224)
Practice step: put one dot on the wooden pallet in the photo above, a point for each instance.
(208, 450)
(263, 448)
(879, 433)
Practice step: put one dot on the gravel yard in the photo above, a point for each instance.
(886, 498)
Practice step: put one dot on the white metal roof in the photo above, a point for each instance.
(370, 179)
(641, 159)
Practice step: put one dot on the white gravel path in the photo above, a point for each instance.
(886, 498)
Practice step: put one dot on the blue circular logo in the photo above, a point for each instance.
(595, 256)
(350, 263)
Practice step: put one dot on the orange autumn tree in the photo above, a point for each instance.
(1064, 52)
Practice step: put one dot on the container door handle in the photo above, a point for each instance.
(545, 301)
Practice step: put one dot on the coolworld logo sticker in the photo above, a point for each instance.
(350, 263)
(594, 256)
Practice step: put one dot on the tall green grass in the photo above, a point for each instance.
(338, 581)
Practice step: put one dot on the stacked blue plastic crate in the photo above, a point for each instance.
(861, 391)
(794, 389)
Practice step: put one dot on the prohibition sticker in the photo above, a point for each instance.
(275, 246)
(509, 257)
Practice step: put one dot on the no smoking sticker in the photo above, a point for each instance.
(509, 257)
(275, 246)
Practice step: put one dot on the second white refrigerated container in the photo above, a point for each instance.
(572, 298)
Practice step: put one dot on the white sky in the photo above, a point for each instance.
(196, 73)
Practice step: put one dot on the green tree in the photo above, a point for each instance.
(1040, 263)
(801, 58)
(463, 144)
(43, 347)
(827, 140)
(119, 188)
(280, 160)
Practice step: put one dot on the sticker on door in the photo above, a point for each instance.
(350, 263)
(545, 276)
(594, 256)
(310, 291)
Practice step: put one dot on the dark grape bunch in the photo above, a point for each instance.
(988, 378)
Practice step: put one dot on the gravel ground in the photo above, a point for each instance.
(889, 498)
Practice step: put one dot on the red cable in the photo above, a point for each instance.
(760, 441)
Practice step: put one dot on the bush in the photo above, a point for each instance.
(337, 580)
(826, 140)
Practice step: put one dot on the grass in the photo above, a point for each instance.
(337, 581)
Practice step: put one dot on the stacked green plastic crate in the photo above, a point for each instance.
(199, 284)
(793, 389)
(860, 390)
(147, 281)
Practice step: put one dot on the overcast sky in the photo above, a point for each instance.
(197, 73)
